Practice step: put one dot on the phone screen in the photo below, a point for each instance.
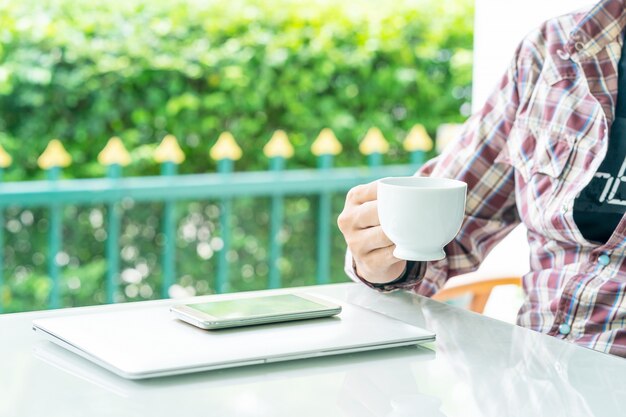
(258, 306)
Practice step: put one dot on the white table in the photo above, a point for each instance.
(477, 367)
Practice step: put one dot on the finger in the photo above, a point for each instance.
(363, 193)
(378, 238)
(369, 240)
(367, 215)
(382, 263)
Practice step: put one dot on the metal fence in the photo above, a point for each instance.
(224, 185)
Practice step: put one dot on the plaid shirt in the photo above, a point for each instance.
(525, 156)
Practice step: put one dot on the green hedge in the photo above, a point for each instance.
(84, 72)
(139, 69)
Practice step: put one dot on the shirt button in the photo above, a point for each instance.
(564, 329)
(579, 46)
(563, 55)
(604, 259)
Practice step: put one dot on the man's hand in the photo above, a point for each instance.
(371, 248)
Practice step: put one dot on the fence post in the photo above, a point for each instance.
(169, 155)
(114, 157)
(325, 147)
(53, 158)
(5, 161)
(374, 146)
(278, 149)
(417, 143)
(225, 152)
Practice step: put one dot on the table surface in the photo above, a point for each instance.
(477, 367)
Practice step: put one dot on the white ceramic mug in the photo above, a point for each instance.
(421, 215)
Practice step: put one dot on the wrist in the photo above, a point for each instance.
(371, 278)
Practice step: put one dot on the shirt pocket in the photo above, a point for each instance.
(547, 130)
(540, 155)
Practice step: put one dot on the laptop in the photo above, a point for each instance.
(150, 342)
(186, 387)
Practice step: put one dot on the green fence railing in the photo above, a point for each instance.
(224, 185)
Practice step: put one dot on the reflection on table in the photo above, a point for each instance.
(477, 367)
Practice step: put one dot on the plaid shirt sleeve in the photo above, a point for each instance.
(491, 211)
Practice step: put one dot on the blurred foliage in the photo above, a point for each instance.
(83, 71)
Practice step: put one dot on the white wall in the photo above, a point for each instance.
(499, 26)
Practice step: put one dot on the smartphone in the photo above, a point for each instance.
(255, 310)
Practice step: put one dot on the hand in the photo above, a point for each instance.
(371, 248)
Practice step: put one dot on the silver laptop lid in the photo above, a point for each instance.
(149, 342)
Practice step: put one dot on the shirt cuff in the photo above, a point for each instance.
(413, 273)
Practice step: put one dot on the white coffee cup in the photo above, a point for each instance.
(421, 215)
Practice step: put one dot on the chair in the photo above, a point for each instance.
(479, 288)
(504, 265)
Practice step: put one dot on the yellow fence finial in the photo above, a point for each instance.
(278, 146)
(5, 158)
(226, 148)
(418, 140)
(169, 151)
(114, 153)
(54, 155)
(374, 142)
(326, 144)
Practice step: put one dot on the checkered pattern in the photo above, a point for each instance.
(525, 156)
